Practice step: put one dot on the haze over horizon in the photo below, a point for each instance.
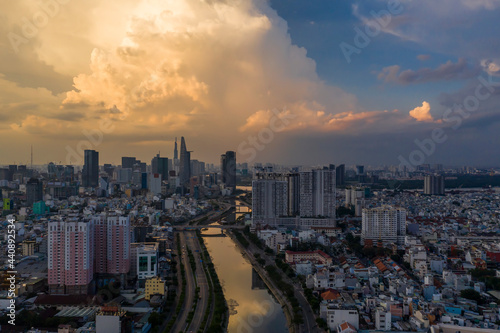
(217, 73)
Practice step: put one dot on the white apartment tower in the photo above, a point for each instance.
(269, 198)
(317, 193)
(385, 223)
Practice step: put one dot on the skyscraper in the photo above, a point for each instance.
(317, 193)
(70, 255)
(128, 162)
(197, 168)
(118, 241)
(434, 185)
(90, 173)
(176, 153)
(112, 243)
(293, 180)
(269, 198)
(340, 175)
(228, 169)
(184, 165)
(160, 165)
(34, 191)
(386, 224)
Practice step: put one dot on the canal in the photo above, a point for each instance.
(252, 307)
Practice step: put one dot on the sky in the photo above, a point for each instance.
(283, 81)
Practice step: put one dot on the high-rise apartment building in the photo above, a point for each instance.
(434, 185)
(112, 243)
(90, 173)
(292, 199)
(101, 243)
(340, 175)
(70, 255)
(317, 193)
(386, 224)
(269, 198)
(118, 244)
(293, 182)
(79, 246)
(228, 169)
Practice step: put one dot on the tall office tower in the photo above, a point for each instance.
(176, 153)
(118, 244)
(228, 169)
(90, 173)
(293, 182)
(317, 193)
(52, 170)
(12, 171)
(4, 174)
(340, 175)
(70, 255)
(197, 168)
(108, 168)
(386, 224)
(175, 161)
(184, 164)
(69, 173)
(360, 170)
(434, 185)
(140, 166)
(269, 198)
(34, 191)
(128, 162)
(160, 165)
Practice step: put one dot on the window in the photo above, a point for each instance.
(153, 262)
(143, 264)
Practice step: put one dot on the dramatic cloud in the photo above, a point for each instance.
(446, 72)
(492, 67)
(214, 71)
(188, 67)
(422, 113)
(312, 116)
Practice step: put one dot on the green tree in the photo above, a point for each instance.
(471, 294)
(154, 319)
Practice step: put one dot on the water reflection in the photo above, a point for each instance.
(252, 308)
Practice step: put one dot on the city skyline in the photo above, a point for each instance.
(283, 166)
(329, 80)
